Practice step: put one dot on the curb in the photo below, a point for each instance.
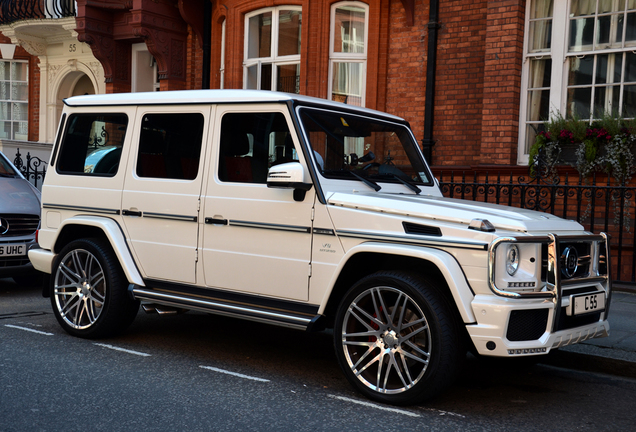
(590, 363)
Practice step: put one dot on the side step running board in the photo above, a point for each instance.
(151, 308)
(220, 307)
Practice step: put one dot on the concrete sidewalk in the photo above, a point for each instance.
(616, 354)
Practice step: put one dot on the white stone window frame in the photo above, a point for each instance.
(14, 124)
(338, 57)
(274, 59)
(561, 59)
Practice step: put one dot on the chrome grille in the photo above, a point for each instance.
(583, 259)
(19, 225)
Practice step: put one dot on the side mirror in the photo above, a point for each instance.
(290, 175)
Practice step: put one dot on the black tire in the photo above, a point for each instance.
(89, 290)
(408, 355)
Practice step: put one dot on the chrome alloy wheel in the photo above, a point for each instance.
(386, 340)
(79, 289)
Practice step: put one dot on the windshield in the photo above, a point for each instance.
(6, 170)
(348, 146)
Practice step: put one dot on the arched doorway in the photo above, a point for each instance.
(74, 83)
(83, 86)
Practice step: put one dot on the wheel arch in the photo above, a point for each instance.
(367, 258)
(101, 228)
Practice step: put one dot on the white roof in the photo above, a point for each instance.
(208, 96)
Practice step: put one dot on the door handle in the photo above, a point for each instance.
(215, 221)
(131, 213)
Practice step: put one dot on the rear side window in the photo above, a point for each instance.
(170, 146)
(92, 144)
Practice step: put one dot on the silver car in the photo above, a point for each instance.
(19, 221)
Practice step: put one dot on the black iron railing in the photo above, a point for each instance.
(16, 10)
(598, 206)
(34, 169)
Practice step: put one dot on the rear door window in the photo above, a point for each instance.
(170, 146)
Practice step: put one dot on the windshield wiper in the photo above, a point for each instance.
(373, 185)
(408, 184)
(7, 175)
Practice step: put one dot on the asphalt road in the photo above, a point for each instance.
(201, 372)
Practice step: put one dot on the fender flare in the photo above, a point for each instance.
(115, 236)
(447, 264)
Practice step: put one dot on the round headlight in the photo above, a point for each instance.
(512, 259)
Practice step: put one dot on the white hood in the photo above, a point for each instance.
(454, 211)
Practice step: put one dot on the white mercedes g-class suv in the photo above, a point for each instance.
(310, 214)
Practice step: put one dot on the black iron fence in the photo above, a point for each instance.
(597, 204)
(33, 169)
(16, 10)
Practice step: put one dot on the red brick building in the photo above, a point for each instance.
(475, 79)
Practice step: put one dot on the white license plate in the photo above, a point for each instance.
(12, 250)
(589, 303)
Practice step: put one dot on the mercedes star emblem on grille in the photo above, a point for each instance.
(4, 226)
(569, 261)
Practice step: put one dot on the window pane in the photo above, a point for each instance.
(579, 101)
(20, 111)
(19, 71)
(601, 69)
(5, 129)
(541, 9)
(605, 6)
(604, 30)
(5, 67)
(20, 92)
(288, 78)
(5, 110)
(600, 95)
(540, 73)
(609, 68)
(4, 90)
(629, 101)
(581, 71)
(92, 144)
(581, 33)
(631, 4)
(289, 29)
(630, 67)
(170, 146)
(618, 66)
(606, 100)
(538, 105)
(583, 7)
(260, 36)
(252, 77)
(630, 31)
(20, 131)
(266, 76)
(349, 30)
(347, 83)
(540, 35)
